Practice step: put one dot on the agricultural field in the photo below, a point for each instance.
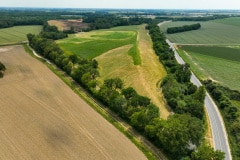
(229, 21)
(62, 25)
(221, 64)
(92, 44)
(212, 51)
(17, 34)
(219, 32)
(144, 78)
(42, 118)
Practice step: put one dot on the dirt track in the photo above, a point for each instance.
(41, 118)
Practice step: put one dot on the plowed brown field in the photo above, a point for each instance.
(41, 118)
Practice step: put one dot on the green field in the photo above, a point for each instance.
(17, 34)
(92, 44)
(220, 32)
(221, 64)
(229, 21)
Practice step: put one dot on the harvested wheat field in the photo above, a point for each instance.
(41, 118)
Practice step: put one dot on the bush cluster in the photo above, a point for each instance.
(184, 28)
(2, 69)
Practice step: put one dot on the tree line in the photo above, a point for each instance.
(106, 20)
(225, 98)
(2, 69)
(202, 18)
(175, 135)
(179, 17)
(184, 28)
(98, 20)
(186, 126)
(10, 18)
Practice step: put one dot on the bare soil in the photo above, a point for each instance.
(62, 25)
(42, 118)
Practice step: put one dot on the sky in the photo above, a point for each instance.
(129, 4)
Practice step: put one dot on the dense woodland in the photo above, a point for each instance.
(18, 18)
(202, 18)
(225, 98)
(105, 21)
(184, 28)
(101, 20)
(191, 18)
(2, 69)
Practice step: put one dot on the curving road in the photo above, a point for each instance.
(220, 139)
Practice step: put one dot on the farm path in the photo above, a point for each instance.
(42, 118)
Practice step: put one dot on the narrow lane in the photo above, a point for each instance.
(218, 129)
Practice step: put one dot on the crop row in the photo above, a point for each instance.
(207, 63)
(210, 33)
(17, 34)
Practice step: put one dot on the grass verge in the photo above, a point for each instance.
(134, 53)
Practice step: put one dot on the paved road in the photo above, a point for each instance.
(218, 130)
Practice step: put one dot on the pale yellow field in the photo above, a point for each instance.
(144, 78)
(59, 24)
(41, 118)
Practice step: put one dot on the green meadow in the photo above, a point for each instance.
(17, 34)
(218, 32)
(92, 44)
(221, 64)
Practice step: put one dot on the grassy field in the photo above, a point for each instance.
(145, 77)
(42, 118)
(221, 64)
(229, 21)
(92, 44)
(17, 34)
(221, 32)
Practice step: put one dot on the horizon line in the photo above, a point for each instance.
(121, 8)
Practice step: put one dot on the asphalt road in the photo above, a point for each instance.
(220, 139)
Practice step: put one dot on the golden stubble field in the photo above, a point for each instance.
(41, 118)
